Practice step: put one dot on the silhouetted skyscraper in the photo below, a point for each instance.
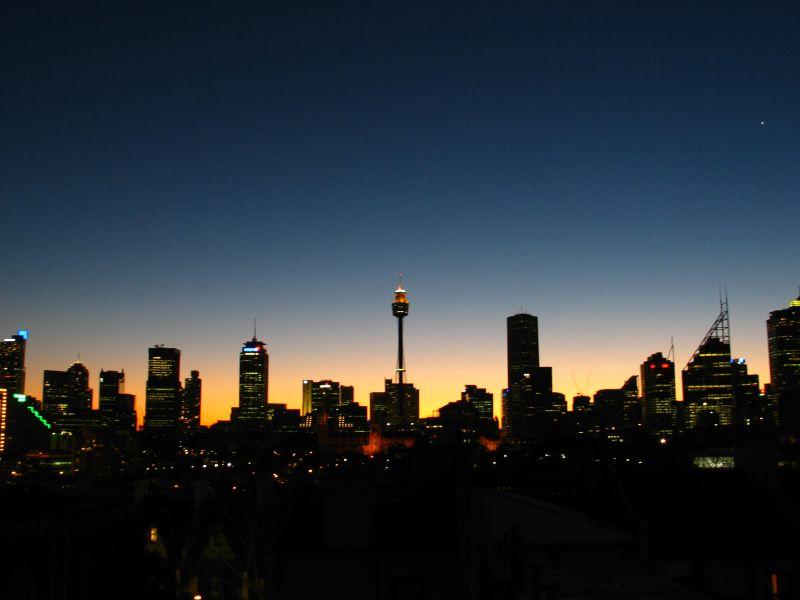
(633, 408)
(112, 383)
(708, 397)
(163, 395)
(328, 401)
(116, 407)
(253, 383)
(783, 338)
(379, 408)
(67, 393)
(746, 393)
(190, 407)
(658, 393)
(12, 363)
(609, 408)
(125, 413)
(397, 407)
(522, 336)
(55, 393)
(325, 396)
(529, 405)
(347, 395)
(482, 400)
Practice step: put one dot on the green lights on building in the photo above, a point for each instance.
(38, 415)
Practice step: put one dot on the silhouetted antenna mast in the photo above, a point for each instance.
(255, 319)
(721, 329)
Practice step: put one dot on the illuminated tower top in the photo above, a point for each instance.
(253, 381)
(792, 303)
(400, 305)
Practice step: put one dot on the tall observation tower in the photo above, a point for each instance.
(397, 407)
(400, 310)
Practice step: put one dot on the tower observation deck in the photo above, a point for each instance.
(400, 308)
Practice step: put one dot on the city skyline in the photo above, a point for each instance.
(435, 390)
(604, 167)
(400, 300)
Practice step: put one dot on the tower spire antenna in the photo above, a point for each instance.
(255, 320)
(400, 282)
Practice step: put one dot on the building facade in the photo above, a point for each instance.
(253, 383)
(191, 402)
(163, 391)
(12, 363)
(522, 341)
(783, 339)
(708, 395)
(482, 400)
(657, 377)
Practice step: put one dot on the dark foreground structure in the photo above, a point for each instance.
(224, 516)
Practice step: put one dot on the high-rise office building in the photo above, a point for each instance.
(783, 339)
(253, 383)
(657, 376)
(708, 396)
(329, 402)
(55, 393)
(529, 405)
(347, 395)
(112, 384)
(191, 402)
(397, 407)
(80, 392)
(12, 363)
(325, 395)
(379, 409)
(748, 407)
(533, 408)
(633, 408)
(124, 418)
(522, 337)
(67, 393)
(482, 400)
(163, 392)
(609, 408)
(117, 408)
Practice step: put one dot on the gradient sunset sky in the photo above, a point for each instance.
(168, 171)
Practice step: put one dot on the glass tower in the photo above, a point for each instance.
(783, 339)
(522, 332)
(253, 382)
(708, 395)
(162, 399)
(657, 375)
(190, 405)
(482, 400)
(12, 363)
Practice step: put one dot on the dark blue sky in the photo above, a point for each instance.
(167, 172)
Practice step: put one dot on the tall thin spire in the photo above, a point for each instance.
(254, 328)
